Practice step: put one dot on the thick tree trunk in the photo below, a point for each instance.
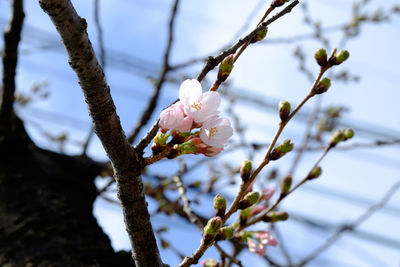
(46, 204)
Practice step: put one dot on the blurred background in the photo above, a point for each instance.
(350, 216)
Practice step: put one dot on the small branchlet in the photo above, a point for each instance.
(281, 150)
(245, 170)
(284, 110)
(219, 205)
(276, 216)
(249, 199)
(314, 173)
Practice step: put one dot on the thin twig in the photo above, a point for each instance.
(146, 115)
(12, 36)
(351, 226)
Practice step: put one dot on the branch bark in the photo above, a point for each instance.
(127, 162)
(12, 36)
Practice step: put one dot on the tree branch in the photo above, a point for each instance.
(12, 36)
(127, 162)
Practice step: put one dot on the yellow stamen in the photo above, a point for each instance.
(213, 131)
(197, 105)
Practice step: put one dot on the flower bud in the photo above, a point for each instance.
(276, 216)
(314, 173)
(260, 35)
(321, 57)
(267, 193)
(244, 215)
(210, 263)
(285, 185)
(249, 199)
(348, 134)
(278, 3)
(340, 57)
(245, 170)
(284, 110)
(219, 205)
(225, 68)
(211, 229)
(337, 137)
(225, 233)
(281, 150)
(322, 86)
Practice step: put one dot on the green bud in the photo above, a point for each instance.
(281, 150)
(286, 184)
(348, 134)
(249, 199)
(245, 170)
(337, 137)
(260, 35)
(244, 215)
(321, 57)
(212, 227)
(340, 57)
(225, 233)
(284, 110)
(225, 68)
(322, 86)
(219, 205)
(314, 173)
(278, 3)
(276, 216)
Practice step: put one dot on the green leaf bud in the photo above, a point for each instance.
(321, 57)
(245, 170)
(260, 35)
(225, 233)
(284, 110)
(281, 150)
(348, 134)
(219, 205)
(225, 68)
(249, 199)
(337, 137)
(322, 86)
(340, 57)
(212, 227)
(314, 173)
(286, 184)
(276, 216)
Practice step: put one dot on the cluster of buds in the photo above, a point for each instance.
(336, 58)
(281, 150)
(339, 136)
(194, 109)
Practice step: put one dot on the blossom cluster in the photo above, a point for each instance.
(195, 109)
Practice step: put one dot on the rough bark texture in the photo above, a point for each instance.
(127, 162)
(46, 208)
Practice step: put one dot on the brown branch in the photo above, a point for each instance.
(165, 69)
(12, 36)
(127, 162)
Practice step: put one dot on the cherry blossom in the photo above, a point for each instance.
(216, 132)
(257, 248)
(266, 238)
(200, 106)
(171, 117)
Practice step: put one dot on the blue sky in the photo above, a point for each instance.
(267, 71)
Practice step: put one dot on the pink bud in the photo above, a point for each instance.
(171, 117)
(267, 193)
(266, 238)
(259, 249)
(257, 209)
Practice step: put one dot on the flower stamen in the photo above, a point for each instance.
(196, 106)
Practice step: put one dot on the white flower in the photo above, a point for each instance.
(216, 132)
(197, 105)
